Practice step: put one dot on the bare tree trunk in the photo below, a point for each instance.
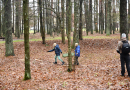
(69, 36)
(114, 16)
(123, 17)
(80, 21)
(90, 11)
(76, 19)
(34, 16)
(8, 29)
(62, 22)
(86, 15)
(108, 17)
(27, 74)
(0, 20)
(17, 29)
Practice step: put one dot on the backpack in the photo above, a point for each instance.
(125, 47)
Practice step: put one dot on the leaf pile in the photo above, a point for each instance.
(99, 67)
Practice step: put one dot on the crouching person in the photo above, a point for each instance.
(57, 52)
(77, 53)
(123, 49)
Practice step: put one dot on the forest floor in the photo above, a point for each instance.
(99, 67)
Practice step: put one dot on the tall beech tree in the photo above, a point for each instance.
(17, 26)
(62, 22)
(69, 35)
(0, 20)
(108, 21)
(90, 16)
(27, 74)
(42, 27)
(123, 17)
(8, 30)
(76, 19)
(80, 21)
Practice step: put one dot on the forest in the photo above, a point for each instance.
(31, 29)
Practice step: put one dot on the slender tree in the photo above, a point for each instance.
(108, 21)
(80, 21)
(27, 74)
(3, 19)
(62, 22)
(114, 17)
(67, 3)
(42, 27)
(69, 35)
(86, 16)
(17, 29)
(76, 19)
(13, 17)
(34, 16)
(0, 20)
(90, 13)
(129, 17)
(123, 17)
(8, 30)
(96, 16)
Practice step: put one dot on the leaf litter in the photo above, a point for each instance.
(99, 67)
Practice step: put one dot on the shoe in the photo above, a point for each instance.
(63, 63)
(122, 75)
(77, 63)
(55, 62)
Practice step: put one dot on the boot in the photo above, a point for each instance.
(63, 63)
(55, 62)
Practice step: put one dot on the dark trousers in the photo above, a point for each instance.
(125, 59)
(76, 60)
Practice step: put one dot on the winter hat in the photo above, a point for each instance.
(123, 35)
(76, 44)
(54, 44)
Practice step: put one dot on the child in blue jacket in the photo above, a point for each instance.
(57, 52)
(77, 53)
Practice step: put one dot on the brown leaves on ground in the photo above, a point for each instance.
(99, 67)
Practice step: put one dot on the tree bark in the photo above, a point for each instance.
(62, 22)
(123, 17)
(108, 22)
(69, 36)
(27, 74)
(17, 29)
(76, 19)
(90, 11)
(0, 20)
(80, 21)
(86, 15)
(8, 29)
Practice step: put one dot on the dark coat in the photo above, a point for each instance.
(57, 50)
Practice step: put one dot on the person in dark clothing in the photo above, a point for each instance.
(77, 53)
(124, 57)
(57, 52)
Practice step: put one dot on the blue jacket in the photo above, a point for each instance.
(77, 50)
(57, 50)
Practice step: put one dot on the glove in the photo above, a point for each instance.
(118, 51)
(47, 51)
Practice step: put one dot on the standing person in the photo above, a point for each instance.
(57, 52)
(123, 49)
(77, 53)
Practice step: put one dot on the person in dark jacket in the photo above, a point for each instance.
(57, 52)
(77, 53)
(124, 57)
